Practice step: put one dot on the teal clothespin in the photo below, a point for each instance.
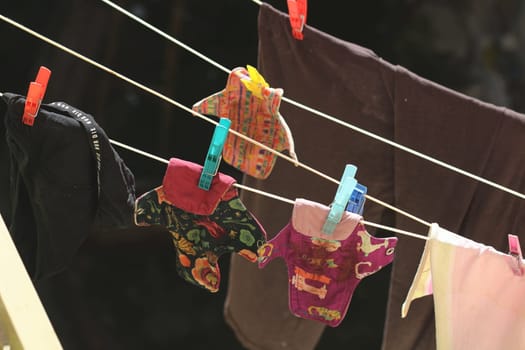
(214, 156)
(342, 196)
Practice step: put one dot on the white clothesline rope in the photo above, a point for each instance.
(266, 194)
(165, 161)
(181, 106)
(319, 113)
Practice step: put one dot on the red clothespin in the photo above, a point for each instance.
(515, 251)
(35, 95)
(297, 13)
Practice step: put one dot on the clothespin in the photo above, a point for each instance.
(214, 156)
(297, 14)
(254, 82)
(342, 196)
(357, 200)
(515, 251)
(35, 95)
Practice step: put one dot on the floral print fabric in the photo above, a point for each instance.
(200, 240)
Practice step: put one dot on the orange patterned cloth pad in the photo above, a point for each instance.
(253, 108)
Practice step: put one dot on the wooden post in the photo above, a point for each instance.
(23, 320)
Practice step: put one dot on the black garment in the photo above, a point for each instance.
(65, 180)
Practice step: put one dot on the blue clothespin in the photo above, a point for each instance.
(214, 156)
(356, 203)
(342, 196)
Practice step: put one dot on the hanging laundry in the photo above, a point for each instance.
(324, 270)
(478, 293)
(253, 108)
(66, 180)
(355, 85)
(203, 224)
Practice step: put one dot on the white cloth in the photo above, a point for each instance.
(479, 293)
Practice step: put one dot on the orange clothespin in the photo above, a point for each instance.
(35, 95)
(297, 14)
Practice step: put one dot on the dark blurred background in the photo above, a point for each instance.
(122, 290)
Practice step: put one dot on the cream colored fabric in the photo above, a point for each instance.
(479, 293)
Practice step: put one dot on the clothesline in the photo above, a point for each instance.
(317, 112)
(183, 107)
(264, 193)
(165, 161)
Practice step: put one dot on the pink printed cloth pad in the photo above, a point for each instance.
(324, 270)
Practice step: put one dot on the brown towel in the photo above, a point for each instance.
(354, 84)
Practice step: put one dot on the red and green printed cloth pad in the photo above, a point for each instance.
(203, 224)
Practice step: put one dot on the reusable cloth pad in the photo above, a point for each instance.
(203, 224)
(253, 108)
(324, 270)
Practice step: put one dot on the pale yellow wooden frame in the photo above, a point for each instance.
(22, 317)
